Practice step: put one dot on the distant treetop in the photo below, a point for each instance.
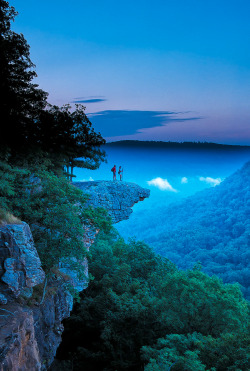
(162, 144)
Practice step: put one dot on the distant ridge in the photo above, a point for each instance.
(175, 145)
(211, 227)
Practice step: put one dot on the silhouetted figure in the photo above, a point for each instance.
(120, 172)
(114, 172)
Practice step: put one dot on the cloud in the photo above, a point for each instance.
(93, 100)
(162, 184)
(212, 181)
(87, 180)
(90, 96)
(184, 180)
(113, 123)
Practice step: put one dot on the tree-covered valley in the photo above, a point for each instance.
(140, 312)
(211, 227)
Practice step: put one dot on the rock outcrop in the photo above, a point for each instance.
(116, 197)
(30, 330)
(30, 322)
(20, 266)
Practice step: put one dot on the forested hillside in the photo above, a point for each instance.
(141, 313)
(211, 227)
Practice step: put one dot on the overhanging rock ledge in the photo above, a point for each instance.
(116, 197)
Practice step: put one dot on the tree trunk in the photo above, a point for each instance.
(67, 171)
(71, 173)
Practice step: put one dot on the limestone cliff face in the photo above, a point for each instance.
(30, 322)
(30, 330)
(20, 265)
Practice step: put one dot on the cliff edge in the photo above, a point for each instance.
(31, 312)
(116, 197)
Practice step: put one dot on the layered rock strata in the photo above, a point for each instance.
(30, 320)
(116, 197)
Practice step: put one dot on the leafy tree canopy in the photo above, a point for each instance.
(141, 311)
(69, 137)
(52, 207)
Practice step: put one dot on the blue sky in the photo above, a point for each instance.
(137, 60)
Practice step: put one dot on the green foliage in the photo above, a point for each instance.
(140, 309)
(96, 217)
(69, 138)
(7, 176)
(53, 208)
(194, 351)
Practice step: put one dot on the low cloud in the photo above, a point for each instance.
(212, 181)
(93, 100)
(86, 180)
(184, 180)
(113, 123)
(162, 184)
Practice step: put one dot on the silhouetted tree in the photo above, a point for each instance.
(21, 100)
(29, 124)
(69, 137)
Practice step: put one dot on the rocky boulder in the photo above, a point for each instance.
(20, 266)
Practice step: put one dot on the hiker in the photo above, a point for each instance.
(120, 172)
(114, 172)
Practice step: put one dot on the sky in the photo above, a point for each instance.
(146, 70)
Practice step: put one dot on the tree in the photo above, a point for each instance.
(21, 100)
(54, 209)
(140, 309)
(30, 124)
(69, 138)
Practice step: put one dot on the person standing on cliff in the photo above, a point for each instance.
(114, 172)
(120, 172)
